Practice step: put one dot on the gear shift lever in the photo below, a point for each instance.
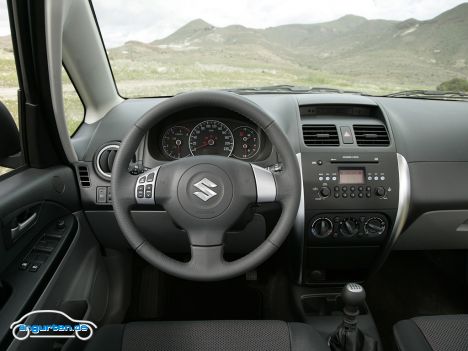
(348, 337)
(353, 296)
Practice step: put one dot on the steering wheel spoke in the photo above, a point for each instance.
(145, 187)
(265, 184)
(206, 258)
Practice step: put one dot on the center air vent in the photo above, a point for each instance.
(371, 135)
(320, 135)
(105, 160)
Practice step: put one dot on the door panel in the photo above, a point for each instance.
(36, 228)
(46, 194)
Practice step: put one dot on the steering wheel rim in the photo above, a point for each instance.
(207, 262)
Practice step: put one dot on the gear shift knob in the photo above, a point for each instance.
(348, 336)
(353, 295)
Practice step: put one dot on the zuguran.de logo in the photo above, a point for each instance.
(66, 328)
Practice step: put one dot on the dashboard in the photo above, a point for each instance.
(378, 174)
(204, 131)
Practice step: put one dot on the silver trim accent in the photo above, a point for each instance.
(98, 167)
(299, 223)
(404, 198)
(265, 182)
(146, 200)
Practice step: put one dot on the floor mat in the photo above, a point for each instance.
(157, 296)
(412, 284)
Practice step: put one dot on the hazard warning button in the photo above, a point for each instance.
(346, 135)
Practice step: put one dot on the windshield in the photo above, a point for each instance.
(161, 48)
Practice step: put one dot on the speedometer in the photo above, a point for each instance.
(211, 137)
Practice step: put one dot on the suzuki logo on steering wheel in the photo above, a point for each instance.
(205, 192)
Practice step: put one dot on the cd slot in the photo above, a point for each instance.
(354, 161)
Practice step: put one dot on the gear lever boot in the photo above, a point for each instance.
(347, 336)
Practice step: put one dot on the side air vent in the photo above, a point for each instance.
(83, 175)
(320, 135)
(105, 160)
(371, 135)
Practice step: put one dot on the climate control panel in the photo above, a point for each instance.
(347, 227)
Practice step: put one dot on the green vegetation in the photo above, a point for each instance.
(455, 84)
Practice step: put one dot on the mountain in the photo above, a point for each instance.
(408, 53)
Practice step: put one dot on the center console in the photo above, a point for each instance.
(351, 209)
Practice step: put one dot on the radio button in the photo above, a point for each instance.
(325, 192)
(380, 191)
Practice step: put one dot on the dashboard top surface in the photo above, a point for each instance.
(421, 130)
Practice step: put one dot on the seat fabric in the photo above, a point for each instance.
(432, 333)
(208, 336)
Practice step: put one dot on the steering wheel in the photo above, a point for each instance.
(205, 195)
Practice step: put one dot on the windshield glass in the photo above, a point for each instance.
(373, 46)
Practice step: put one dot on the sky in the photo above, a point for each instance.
(147, 20)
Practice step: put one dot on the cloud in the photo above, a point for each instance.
(147, 20)
(4, 23)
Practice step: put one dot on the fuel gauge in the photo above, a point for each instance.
(246, 142)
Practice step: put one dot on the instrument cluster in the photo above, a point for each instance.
(227, 137)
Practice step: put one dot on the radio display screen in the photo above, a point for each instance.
(351, 176)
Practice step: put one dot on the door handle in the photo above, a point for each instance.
(22, 226)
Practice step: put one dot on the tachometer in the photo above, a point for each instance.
(211, 138)
(247, 142)
(175, 142)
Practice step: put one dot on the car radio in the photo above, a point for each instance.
(356, 181)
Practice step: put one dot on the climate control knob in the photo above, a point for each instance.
(349, 227)
(322, 227)
(375, 226)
